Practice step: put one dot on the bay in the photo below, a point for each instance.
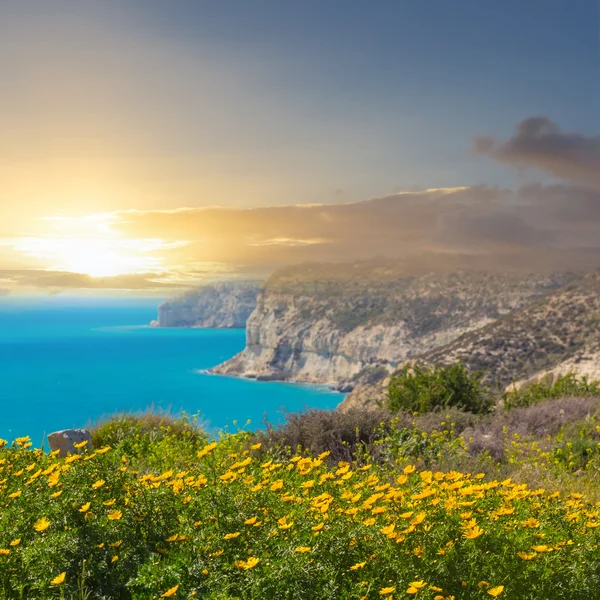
(70, 361)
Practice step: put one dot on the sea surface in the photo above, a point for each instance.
(70, 361)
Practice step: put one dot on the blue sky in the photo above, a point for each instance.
(321, 95)
(156, 105)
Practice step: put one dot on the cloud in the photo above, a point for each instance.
(521, 226)
(540, 143)
(57, 281)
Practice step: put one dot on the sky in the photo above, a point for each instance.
(149, 144)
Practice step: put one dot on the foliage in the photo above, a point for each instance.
(421, 389)
(380, 507)
(546, 388)
(157, 439)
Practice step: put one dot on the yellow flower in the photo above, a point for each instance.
(231, 536)
(115, 515)
(495, 591)
(42, 524)
(256, 446)
(80, 444)
(56, 494)
(170, 592)
(59, 579)
(4, 551)
(115, 558)
(109, 502)
(85, 507)
(103, 450)
(16, 542)
(415, 586)
(15, 494)
(250, 521)
(302, 549)
(98, 484)
(358, 566)
(471, 534)
(526, 556)
(531, 522)
(247, 564)
(318, 527)
(207, 449)
(386, 590)
(407, 471)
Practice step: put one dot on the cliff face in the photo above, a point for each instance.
(558, 334)
(555, 335)
(346, 325)
(222, 305)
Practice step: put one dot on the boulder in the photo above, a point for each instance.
(66, 439)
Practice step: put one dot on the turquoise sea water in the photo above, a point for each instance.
(67, 361)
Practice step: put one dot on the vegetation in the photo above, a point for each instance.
(561, 326)
(392, 292)
(422, 389)
(546, 388)
(446, 504)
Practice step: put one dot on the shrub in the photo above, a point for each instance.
(339, 433)
(422, 389)
(546, 388)
(151, 439)
(240, 523)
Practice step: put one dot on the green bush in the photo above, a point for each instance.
(151, 439)
(422, 389)
(563, 387)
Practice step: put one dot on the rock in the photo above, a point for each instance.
(66, 439)
(226, 304)
(336, 327)
(344, 388)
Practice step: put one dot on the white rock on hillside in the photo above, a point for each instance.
(66, 439)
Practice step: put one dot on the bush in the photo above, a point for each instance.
(151, 439)
(238, 522)
(422, 389)
(545, 389)
(339, 433)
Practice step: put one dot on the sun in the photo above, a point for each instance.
(96, 257)
(90, 246)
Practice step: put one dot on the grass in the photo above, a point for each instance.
(381, 507)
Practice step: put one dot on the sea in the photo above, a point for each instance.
(72, 361)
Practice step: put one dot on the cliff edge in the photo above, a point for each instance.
(347, 324)
(215, 305)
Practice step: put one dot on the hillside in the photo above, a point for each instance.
(560, 329)
(221, 304)
(345, 323)
(556, 334)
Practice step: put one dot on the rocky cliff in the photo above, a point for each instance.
(557, 334)
(344, 324)
(222, 304)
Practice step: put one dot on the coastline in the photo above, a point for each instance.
(273, 379)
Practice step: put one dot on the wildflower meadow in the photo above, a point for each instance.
(233, 519)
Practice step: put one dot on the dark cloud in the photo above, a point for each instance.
(540, 143)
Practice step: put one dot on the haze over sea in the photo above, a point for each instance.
(68, 361)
